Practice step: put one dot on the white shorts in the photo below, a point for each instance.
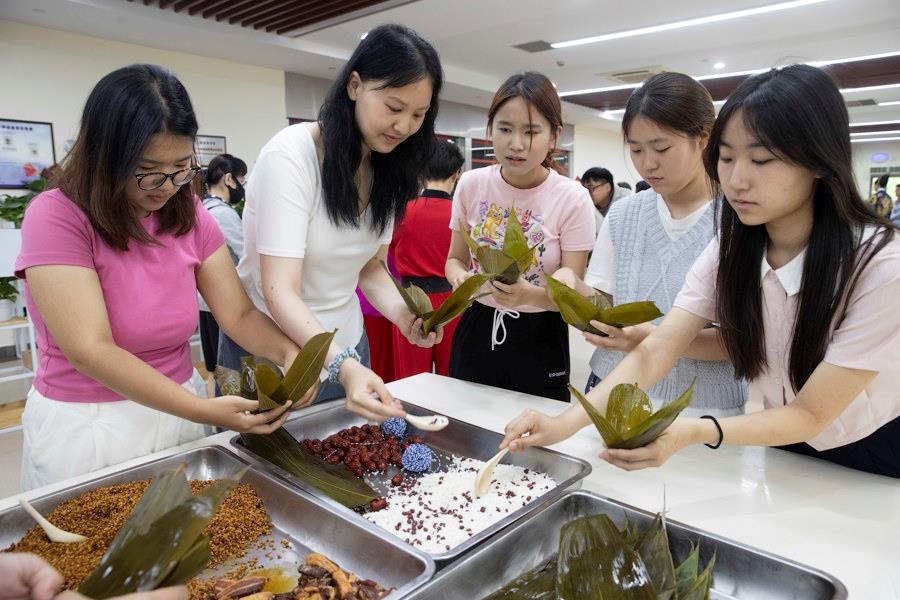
(65, 439)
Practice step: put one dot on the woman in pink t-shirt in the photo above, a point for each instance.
(113, 259)
(515, 338)
(802, 279)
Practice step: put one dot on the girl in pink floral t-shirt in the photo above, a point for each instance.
(514, 338)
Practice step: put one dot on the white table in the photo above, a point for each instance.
(841, 521)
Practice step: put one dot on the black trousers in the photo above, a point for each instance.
(534, 359)
(877, 453)
(209, 339)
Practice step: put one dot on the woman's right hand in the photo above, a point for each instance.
(366, 393)
(567, 276)
(533, 428)
(460, 279)
(237, 414)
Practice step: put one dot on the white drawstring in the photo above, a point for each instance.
(499, 325)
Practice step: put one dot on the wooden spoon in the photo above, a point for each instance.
(428, 422)
(483, 478)
(53, 532)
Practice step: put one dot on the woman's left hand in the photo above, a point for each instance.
(654, 454)
(411, 327)
(623, 339)
(513, 295)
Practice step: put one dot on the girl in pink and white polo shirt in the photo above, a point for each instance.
(113, 259)
(802, 279)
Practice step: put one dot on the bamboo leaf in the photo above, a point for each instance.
(455, 303)
(653, 546)
(628, 407)
(536, 584)
(631, 313)
(607, 432)
(501, 264)
(281, 449)
(686, 572)
(162, 542)
(267, 388)
(575, 309)
(304, 371)
(653, 426)
(699, 588)
(416, 300)
(228, 380)
(595, 563)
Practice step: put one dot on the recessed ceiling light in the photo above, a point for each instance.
(890, 103)
(870, 88)
(863, 133)
(884, 139)
(867, 123)
(719, 66)
(687, 23)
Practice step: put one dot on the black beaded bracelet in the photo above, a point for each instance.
(718, 427)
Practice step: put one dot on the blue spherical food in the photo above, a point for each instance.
(394, 426)
(417, 458)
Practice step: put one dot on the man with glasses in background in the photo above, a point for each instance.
(601, 185)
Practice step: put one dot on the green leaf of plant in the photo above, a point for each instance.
(699, 588)
(455, 303)
(653, 426)
(607, 432)
(416, 300)
(628, 406)
(304, 371)
(595, 563)
(575, 309)
(281, 449)
(498, 264)
(686, 572)
(536, 584)
(267, 388)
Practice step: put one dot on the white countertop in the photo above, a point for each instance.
(838, 520)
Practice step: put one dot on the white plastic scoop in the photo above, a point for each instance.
(53, 532)
(483, 478)
(428, 422)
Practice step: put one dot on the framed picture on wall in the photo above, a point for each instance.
(26, 149)
(208, 147)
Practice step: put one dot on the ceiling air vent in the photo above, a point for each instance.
(632, 75)
(866, 102)
(537, 46)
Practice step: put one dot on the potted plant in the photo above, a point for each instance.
(12, 208)
(8, 295)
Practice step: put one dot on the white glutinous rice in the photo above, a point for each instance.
(438, 511)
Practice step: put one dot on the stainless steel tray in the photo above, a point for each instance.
(305, 523)
(740, 571)
(458, 438)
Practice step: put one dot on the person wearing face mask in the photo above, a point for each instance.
(224, 188)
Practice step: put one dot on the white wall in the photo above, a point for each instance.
(595, 147)
(48, 75)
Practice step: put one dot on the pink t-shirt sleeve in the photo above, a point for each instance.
(698, 295)
(54, 232)
(458, 212)
(578, 227)
(868, 336)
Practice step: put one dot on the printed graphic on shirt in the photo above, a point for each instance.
(492, 227)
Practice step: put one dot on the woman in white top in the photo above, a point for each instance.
(803, 280)
(321, 205)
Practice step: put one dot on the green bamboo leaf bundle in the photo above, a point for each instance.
(597, 561)
(578, 311)
(260, 380)
(162, 543)
(504, 264)
(630, 421)
(419, 304)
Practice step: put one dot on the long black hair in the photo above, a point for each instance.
(798, 114)
(393, 56)
(124, 110)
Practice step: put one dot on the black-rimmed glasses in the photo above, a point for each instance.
(152, 181)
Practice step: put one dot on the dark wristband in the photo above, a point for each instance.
(718, 427)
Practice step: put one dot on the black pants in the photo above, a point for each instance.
(534, 359)
(209, 339)
(877, 453)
